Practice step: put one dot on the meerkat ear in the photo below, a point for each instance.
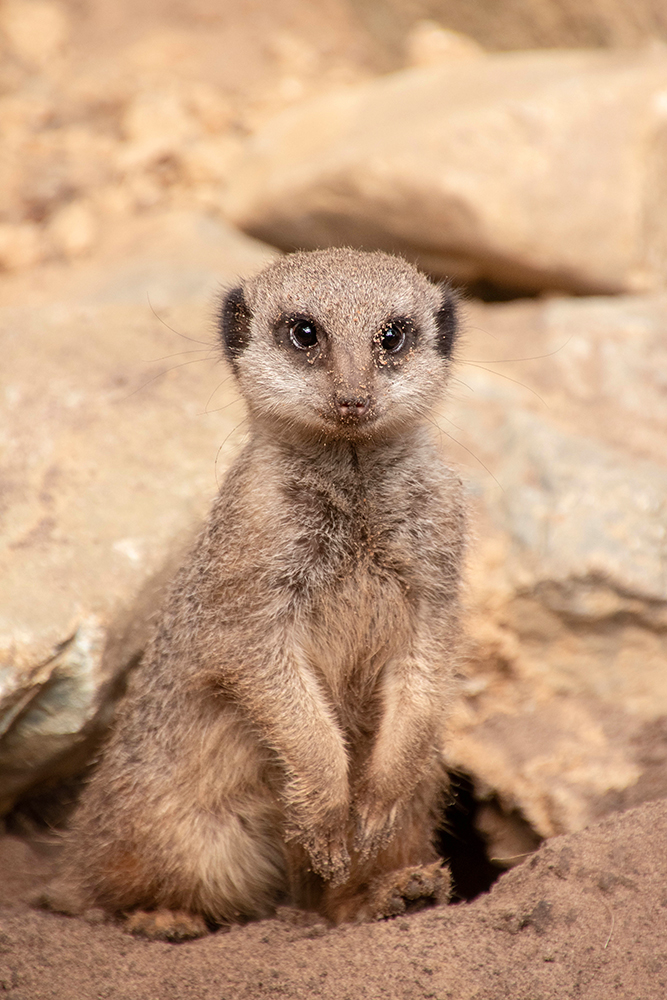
(234, 325)
(447, 321)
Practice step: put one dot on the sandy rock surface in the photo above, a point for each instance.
(114, 431)
(585, 917)
(108, 111)
(482, 169)
(565, 715)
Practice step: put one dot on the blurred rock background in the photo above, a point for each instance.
(154, 152)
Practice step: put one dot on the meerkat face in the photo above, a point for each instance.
(340, 343)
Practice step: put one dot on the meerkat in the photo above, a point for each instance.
(281, 740)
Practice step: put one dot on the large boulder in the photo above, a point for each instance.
(116, 423)
(565, 703)
(529, 170)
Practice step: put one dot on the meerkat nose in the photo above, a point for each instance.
(357, 406)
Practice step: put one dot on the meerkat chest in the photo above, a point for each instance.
(351, 536)
(354, 573)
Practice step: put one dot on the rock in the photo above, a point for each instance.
(51, 712)
(36, 29)
(524, 170)
(177, 140)
(429, 44)
(209, 160)
(567, 696)
(165, 258)
(21, 245)
(155, 124)
(116, 422)
(163, 118)
(43, 172)
(120, 112)
(524, 24)
(73, 229)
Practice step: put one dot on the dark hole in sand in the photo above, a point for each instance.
(480, 840)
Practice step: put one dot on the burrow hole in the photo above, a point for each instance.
(480, 839)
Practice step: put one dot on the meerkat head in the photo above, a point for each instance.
(340, 343)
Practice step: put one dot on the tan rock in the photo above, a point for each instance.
(294, 55)
(212, 108)
(561, 712)
(155, 124)
(160, 50)
(51, 712)
(21, 245)
(73, 229)
(521, 169)
(176, 144)
(44, 168)
(37, 29)
(429, 44)
(210, 160)
(116, 422)
(21, 113)
(525, 24)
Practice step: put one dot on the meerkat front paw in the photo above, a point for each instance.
(409, 889)
(328, 854)
(402, 890)
(321, 827)
(166, 925)
(375, 828)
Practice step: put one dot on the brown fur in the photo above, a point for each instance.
(280, 739)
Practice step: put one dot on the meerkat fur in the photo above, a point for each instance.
(281, 740)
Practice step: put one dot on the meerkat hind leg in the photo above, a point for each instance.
(166, 925)
(225, 869)
(195, 870)
(157, 925)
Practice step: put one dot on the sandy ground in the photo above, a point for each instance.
(585, 917)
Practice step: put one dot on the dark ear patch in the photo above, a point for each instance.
(234, 323)
(447, 322)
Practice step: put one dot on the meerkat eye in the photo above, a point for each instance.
(392, 338)
(303, 334)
